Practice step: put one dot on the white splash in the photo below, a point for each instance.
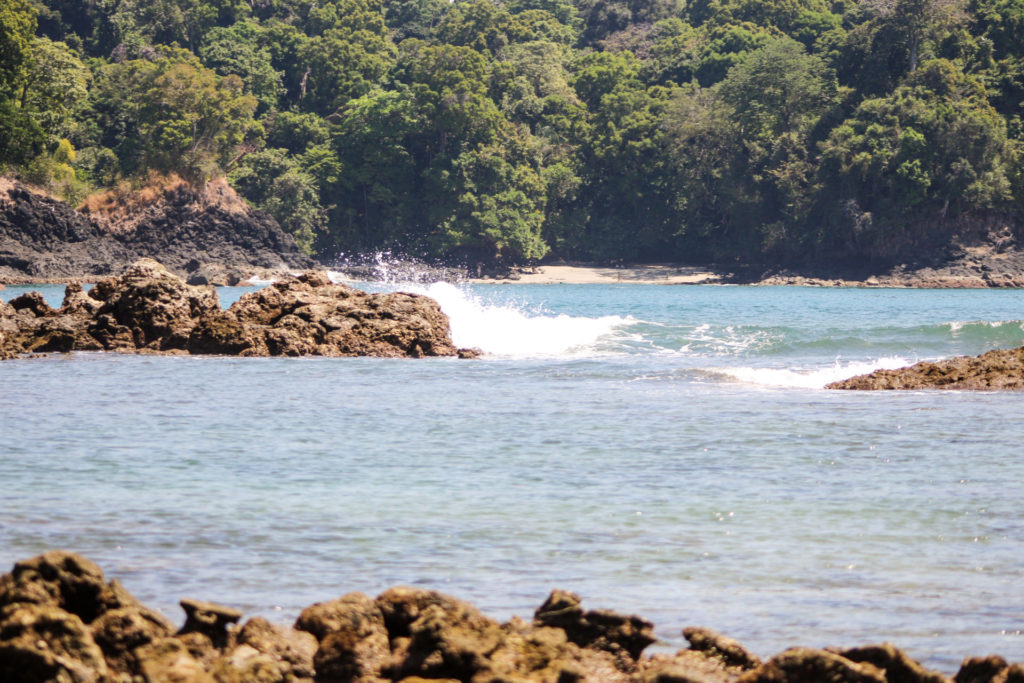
(815, 378)
(509, 331)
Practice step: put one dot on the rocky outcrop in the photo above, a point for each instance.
(205, 234)
(61, 620)
(999, 369)
(149, 310)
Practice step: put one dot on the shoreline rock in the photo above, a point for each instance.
(207, 234)
(1001, 369)
(150, 310)
(62, 620)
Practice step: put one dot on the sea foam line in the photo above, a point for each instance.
(814, 378)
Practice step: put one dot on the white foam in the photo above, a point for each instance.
(510, 331)
(814, 378)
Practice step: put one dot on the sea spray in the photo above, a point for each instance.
(513, 331)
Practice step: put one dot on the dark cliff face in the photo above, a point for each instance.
(43, 238)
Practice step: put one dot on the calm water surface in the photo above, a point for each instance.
(667, 451)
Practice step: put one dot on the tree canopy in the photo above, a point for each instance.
(498, 132)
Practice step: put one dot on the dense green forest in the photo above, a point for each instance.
(506, 131)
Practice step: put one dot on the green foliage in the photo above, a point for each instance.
(276, 182)
(173, 115)
(501, 132)
(237, 50)
(933, 147)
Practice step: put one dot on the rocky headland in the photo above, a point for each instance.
(62, 620)
(994, 370)
(203, 234)
(148, 309)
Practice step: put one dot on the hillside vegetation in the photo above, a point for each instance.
(501, 132)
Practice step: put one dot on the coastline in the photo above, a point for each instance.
(585, 274)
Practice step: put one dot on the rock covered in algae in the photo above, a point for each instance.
(62, 620)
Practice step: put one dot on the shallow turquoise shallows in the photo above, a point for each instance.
(668, 451)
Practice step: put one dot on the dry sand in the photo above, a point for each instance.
(590, 275)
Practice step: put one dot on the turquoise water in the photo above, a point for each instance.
(661, 450)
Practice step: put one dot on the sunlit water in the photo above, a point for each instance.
(668, 451)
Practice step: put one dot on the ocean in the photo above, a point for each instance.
(662, 450)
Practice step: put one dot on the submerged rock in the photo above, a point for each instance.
(148, 309)
(62, 620)
(999, 369)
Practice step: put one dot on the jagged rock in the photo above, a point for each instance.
(898, 667)
(990, 669)
(60, 620)
(169, 660)
(265, 652)
(34, 303)
(42, 642)
(999, 369)
(187, 228)
(600, 629)
(687, 666)
(148, 309)
(805, 665)
(435, 636)
(64, 580)
(727, 650)
(310, 315)
(209, 619)
(353, 640)
(155, 307)
(120, 632)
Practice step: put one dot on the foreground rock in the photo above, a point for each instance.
(61, 620)
(150, 310)
(999, 369)
(208, 235)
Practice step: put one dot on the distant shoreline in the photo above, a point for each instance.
(950, 277)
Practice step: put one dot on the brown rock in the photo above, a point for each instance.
(289, 653)
(687, 666)
(77, 302)
(311, 316)
(33, 303)
(209, 619)
(168, 660)
(898, 667)
(990, 669)
(712, 644)
(63, 580)
(120, 632)
(1000, 369)
(805, 665)
(151, 307)
(601, 629)
(436, 636)
(42, 642)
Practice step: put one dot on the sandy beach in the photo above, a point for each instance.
(655, 274)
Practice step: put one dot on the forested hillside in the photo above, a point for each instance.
(766, 131)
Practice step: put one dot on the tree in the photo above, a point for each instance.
(237, 50)
(276, 183)
(17, 26)
(903, 164)
(173, 115)
(914, 19)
